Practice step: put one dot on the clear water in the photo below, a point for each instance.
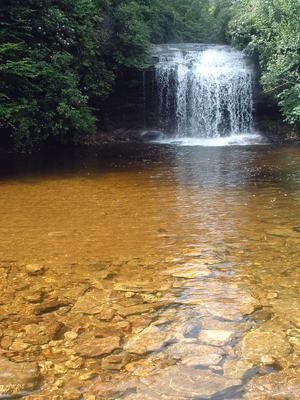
(164, 250)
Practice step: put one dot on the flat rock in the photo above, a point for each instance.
(149, 340)
(188, 383)
(256, 345)
(288, 309)
(92, 303)
(196, 354)
(142, 286)
(236, 369)
(97, 347)
(234, 310)
(284, 385)
(148, 365)
(38, 334)
(216, 337)
(17, 379)
(138, 309)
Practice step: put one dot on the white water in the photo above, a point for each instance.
(245, 139)
(205, 92)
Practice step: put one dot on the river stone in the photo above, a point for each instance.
(50, 305)
(92, 303)
(142, 286)
(149, 340)
(34, 297)
(115, 362)
(34, 269)
(191, 273)
(188, 383)
(236, 368)
(216, 337)
(194, 354)
(256, 345)
(17, 379)
(97, 347)
(288, 309)
(234, 310)
(138, 309)
(38, 334)
(283, 385)
(284, 233)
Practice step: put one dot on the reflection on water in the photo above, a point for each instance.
(151, 272)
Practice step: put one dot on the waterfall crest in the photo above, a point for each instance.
(204, 91)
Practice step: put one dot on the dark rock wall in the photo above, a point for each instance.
(132, 104)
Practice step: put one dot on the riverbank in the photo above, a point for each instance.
(275, 131)
(278, 132)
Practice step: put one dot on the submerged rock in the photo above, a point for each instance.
(96, 347)
(149, 340)
(115, 362)
(50, 305)
(92, 303)
(17, 379)
(138, 309)
(216, 337)
(236, 368)
(34, 269)
(188, 383)
(194, 354)
(257, 345)
(284, 385)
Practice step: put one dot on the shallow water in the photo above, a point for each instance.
(166, 272)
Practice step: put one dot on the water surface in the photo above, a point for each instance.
(162, 264)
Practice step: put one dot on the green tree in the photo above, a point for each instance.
(41, 95)
(59, 59)
(272, 29)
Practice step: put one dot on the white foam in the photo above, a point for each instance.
(246, 139)
(204, 92)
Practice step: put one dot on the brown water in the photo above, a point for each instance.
(164, 272)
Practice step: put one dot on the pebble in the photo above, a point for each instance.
(268, 360)
(34, 269)
(71, 335)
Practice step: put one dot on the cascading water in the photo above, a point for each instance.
(204, 91)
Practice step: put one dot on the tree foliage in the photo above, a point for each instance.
(272, 29)
(59, 59)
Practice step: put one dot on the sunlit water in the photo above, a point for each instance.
(173, 254)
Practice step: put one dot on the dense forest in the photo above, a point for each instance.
(59, 59)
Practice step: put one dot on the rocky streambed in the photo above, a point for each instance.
(173, 328)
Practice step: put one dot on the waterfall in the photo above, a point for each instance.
(204, 91)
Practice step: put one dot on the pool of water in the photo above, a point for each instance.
(152, 271)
